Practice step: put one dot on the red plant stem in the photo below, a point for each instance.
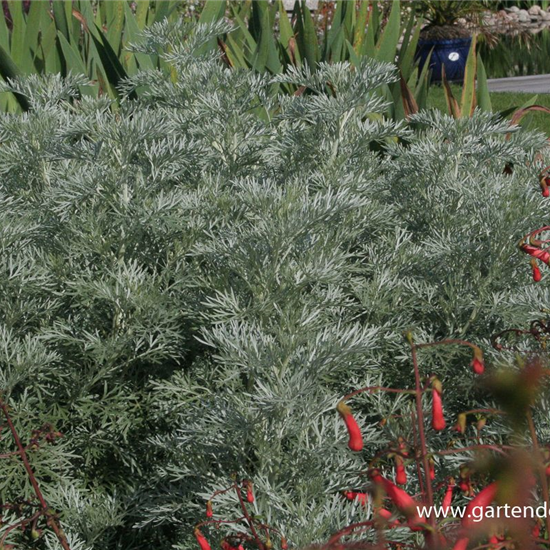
(446, 342)
(21, 523)
(484, 411)
(218, 521)
(496, 448)
(542, 468)
(536, 231)
(247, 516)
(418, 468)
(421, 433)
(375, 389)
(349, 529)
(22, 453)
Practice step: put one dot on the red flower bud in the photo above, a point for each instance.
(438, 420)
(548, 470)
(284, 544)
(537, 276)
(249, 492)
(477, 363)
(479, 502)
(203, 543)
(355, 442)
(209, 512)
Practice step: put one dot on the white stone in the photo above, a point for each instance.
(311, 4)
(514, 9)
(545, 15)
(523, 16)
(534, 10)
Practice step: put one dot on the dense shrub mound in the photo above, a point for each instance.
(189, 283)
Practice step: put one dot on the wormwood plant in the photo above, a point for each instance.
(189, 284)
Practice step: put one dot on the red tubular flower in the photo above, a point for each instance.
(402, 501)
(209, 511)
(400, 472)
(477, 363)
(355, 442)
(538, 253)
(460, 425)
(537, 276)
(461, 544)
(386, 516)
(544, 181)
(438, 420)
(431, 465)
(479, 502)
(203, 543)
(360, 497)
(535, 532)
(249, 492)
(448, 497)
(284, 544)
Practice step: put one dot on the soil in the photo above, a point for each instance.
(445, 32)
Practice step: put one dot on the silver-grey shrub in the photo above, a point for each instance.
(190, 282)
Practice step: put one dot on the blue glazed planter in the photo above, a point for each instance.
(449, 53)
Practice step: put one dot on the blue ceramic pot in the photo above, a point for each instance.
(449, 53)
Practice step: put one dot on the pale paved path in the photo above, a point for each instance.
(538, 84)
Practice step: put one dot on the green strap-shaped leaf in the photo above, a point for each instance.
(286, 35)
(131, 36)
(50, 53)
(306, 35)
(34, 20)
(213, 10)
(408, 48)
(9, 70)
(249, 44)
(236, 54)
(361, 27)
(386, 49)
(369, 48)
(483, 95)
(115, 24)
(60, 18)
(18, 51)
(142, 8)
(162, 10)
(334, 31)
(266, 54)
(468, 100)
(423, 84)
(355, 60)
(112, 68)
(73, 60)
